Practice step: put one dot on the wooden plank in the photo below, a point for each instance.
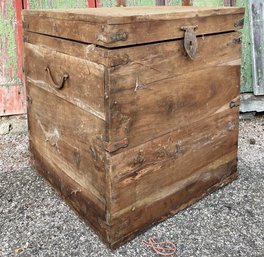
(162, 60)
(165, 161)
(69, 138)
(137, 54)
(77, 200)
(131, 224)
(114, 16)
(257, 39)
(114, 29)
(159, 108)
(85, 85)
(89, 52)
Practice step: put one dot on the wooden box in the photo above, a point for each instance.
(133, 112)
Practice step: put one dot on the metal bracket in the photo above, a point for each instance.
(121, 36)
(111, 38)
(190, 41)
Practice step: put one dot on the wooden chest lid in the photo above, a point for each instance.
(123, 26)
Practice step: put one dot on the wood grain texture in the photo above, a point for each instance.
(85, 85)
(131, 224)
(130, 14)
(139, 132)
(66, 187)
(90, 52)
(165, 161)
(165, 105)
(113, 29)
(69, 139)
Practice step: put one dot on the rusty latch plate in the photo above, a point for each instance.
(190, 40)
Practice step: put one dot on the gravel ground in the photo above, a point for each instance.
(35, 222)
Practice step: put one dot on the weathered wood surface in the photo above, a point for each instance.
(78, 198)
(165, 161)
(90, 52)
(85, 85)
(131, 26)
(144, 106)
(132, 14)
(136, 133)
(138, 220)
(67, 138)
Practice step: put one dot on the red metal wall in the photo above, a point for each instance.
(12, 90)
(12, 93)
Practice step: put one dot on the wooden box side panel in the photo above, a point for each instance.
(91, 52)
(165, 175)
(155, 89)
(174, 157)
(180, 121)
(68, 139)
(84, 86)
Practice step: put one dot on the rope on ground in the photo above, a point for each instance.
(165, 248)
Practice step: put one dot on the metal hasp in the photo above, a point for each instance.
(190, 41)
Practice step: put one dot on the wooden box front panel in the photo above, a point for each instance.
(154, 89)
(173, 127)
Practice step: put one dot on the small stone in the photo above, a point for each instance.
(19, 250)
(252, 141)
(5, 128)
